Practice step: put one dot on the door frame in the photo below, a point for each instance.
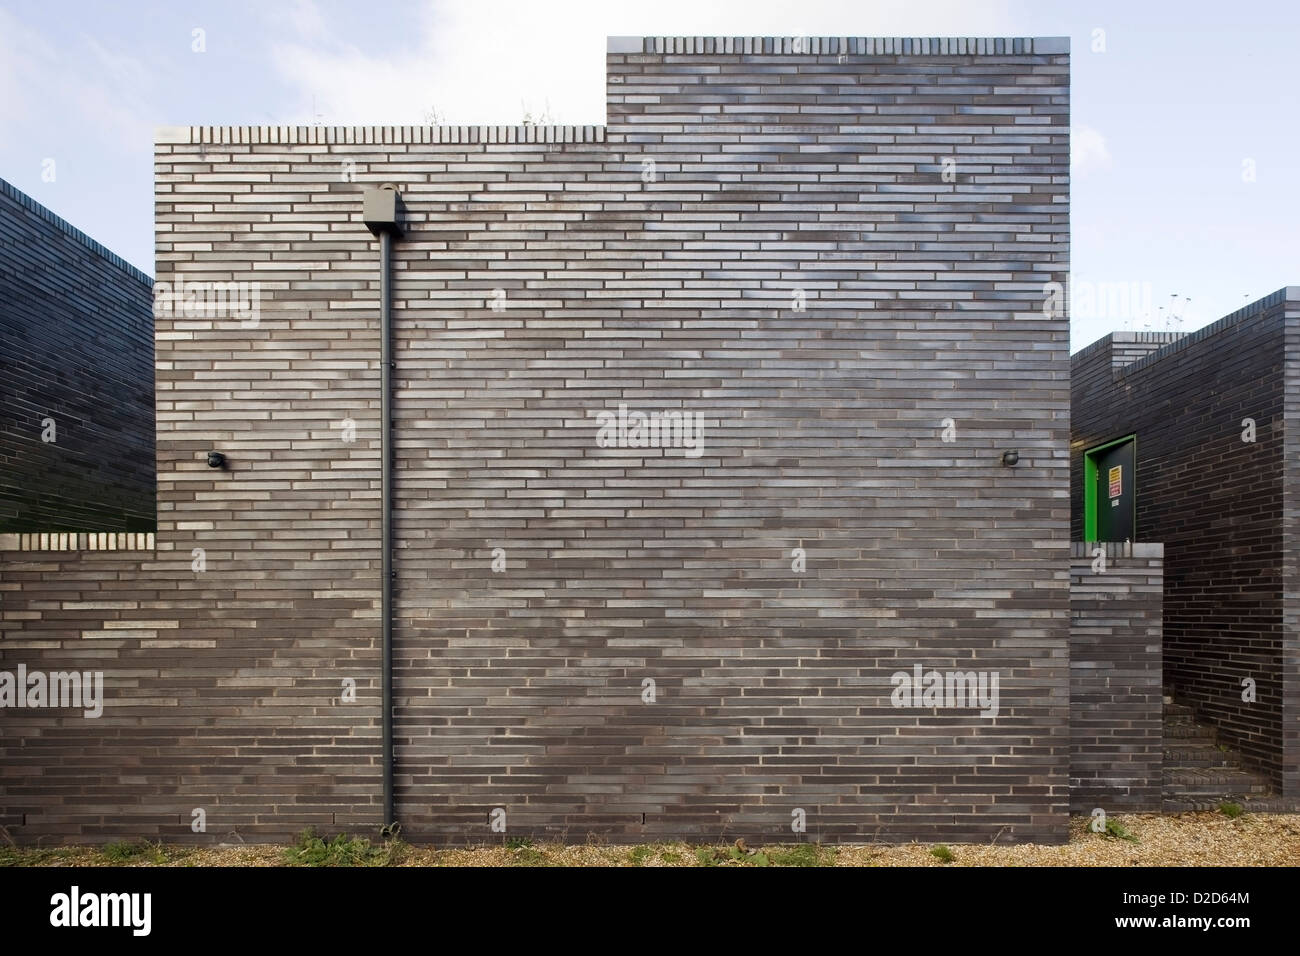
(1090, 485)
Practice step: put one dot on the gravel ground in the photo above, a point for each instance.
(1183, 839)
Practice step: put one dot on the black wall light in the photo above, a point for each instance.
(216, 459)
(1010, 457)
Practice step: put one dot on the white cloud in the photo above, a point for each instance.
(115, 97)
(482, 62)
(303, 17)
(22, 53)
(100, 89)
(1088, 151)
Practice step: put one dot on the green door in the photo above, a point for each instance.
(1110, 490)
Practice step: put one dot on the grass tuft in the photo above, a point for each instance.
(1116, 829)
(802, 854)
(315, 850)
(130, 852)
(640, 855)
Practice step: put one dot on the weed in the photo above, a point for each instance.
(1116, 829)
(528, 855)
(1231, 810)
(638, 855)
(314, 850)
(127, 852)
(392, 852)
(942, 853)
(802, 854)
(36, 856)
(748, 857)
(706, 856)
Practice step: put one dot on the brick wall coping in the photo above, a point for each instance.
(652, 45)
(1244, 314)
(145, 541)
(377, 135)
(78, 541)
(1176, 341)
(862, 46)
(1118, 549)
(1110, 338)
(72, 232)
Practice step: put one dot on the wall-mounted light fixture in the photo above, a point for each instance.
(216, 459)
(1010, 457)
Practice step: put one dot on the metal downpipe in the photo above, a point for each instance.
(382, 215)
(386, 496)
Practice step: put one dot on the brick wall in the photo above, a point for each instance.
(76, 347)
(1215, 501)
(1116, 698)
(658, 262)
(66, 607)
(1290, 571)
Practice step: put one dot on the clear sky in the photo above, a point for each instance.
(1185, 115)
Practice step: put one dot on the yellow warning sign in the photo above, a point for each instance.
(1116, 476)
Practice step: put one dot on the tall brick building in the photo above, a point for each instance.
(831, 253)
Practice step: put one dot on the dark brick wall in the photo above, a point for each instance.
(771, 173)
(67, 777)
(654, 262)
(76, 346)
(1215, 501)
(1116, 700)
(222, 693)
(1290, 652)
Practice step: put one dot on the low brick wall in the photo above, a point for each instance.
(84, 603)
(1116, 700)
(212, 701)
(67, 604)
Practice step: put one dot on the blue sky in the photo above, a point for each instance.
(1186, 166)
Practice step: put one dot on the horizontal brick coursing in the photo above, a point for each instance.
(76, 349)
(1290, 566)
(658, 266)
(1116, 694)
(1217, 503)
